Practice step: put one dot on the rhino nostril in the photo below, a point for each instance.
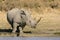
(34, 27)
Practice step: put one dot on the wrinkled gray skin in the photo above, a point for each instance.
(20, 18)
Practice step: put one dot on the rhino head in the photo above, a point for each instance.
(34, 23)
(29, 20)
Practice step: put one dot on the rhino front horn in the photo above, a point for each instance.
(38, 20)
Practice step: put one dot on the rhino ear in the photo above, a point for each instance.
(22, 12)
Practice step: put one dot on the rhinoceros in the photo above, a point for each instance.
(20, 18)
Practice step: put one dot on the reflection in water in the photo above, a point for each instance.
(9, 32)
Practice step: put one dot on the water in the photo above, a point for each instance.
(29, 38)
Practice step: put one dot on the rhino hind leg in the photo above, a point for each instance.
(10, 22)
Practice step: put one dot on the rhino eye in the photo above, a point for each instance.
(30, 21)
(21, 17)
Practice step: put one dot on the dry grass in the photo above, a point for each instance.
(3, 22)
(32, 4)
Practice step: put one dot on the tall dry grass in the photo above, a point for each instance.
(32, 4)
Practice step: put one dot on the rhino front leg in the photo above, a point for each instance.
(14, 27)
(21, 31)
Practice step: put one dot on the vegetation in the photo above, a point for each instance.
(9, 4)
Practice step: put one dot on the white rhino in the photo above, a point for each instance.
(19, 18)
